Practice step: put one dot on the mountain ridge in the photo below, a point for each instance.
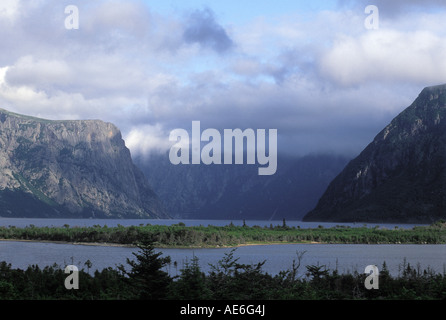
(400, 176)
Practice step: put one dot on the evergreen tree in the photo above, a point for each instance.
(191, 284)
(146, 278)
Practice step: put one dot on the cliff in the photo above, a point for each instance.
(70, 169)
(400, 176)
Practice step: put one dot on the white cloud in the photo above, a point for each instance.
(9, 9)
(386, 55)
(147, 139)
(42, 73)
(321, 79)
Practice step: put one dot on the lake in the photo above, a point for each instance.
(343, 257)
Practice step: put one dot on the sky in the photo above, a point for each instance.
(313, 70)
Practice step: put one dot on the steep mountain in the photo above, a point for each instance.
(70, 169)
(237, 191)
(400, 176)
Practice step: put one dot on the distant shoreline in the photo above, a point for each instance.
(98, 244)
(179, 236)
(120, 245)
(109, 244)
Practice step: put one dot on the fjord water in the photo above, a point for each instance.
(342, 257)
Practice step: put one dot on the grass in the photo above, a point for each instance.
(181, 236)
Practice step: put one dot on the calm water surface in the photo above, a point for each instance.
(344, 258)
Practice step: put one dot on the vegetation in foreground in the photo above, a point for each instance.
(145, 279)
(179, 235)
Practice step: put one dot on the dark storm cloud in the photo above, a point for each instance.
(203, 29)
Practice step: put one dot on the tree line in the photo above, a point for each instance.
(179, 235)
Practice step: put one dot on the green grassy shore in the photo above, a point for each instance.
(182, 236)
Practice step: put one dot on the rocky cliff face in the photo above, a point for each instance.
(69, 169)
(400, 176)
